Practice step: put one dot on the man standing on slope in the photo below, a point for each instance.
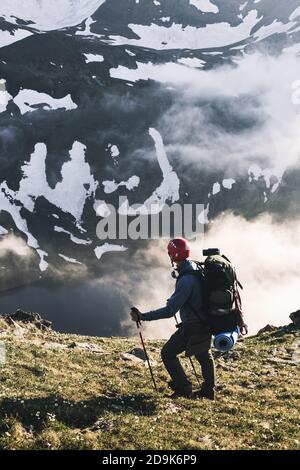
(193, 334)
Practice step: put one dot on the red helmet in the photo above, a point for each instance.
(179, 249)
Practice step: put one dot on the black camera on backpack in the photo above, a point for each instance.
(211, 252)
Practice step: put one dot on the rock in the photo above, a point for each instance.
(88, 347)
(28, 317)
(132, 358)
(138, 356)
(267, 329)
(139, 352)
(295, 317)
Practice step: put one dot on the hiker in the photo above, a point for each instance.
(193, 334)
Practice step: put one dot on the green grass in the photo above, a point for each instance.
(74, 399)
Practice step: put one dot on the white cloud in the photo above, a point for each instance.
(264, 85)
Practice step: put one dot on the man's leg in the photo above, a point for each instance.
(169, 353)
(206, 361)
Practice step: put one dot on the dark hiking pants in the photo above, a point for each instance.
(175, 346)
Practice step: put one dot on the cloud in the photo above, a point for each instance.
(13, 244)
(230, 117)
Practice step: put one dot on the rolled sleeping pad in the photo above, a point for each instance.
(226, 341)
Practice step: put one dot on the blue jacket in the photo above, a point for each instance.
(187, 298)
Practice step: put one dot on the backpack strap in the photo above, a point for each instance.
(237, 281)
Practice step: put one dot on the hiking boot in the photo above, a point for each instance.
(182, 394)
(185, 392)
(208, 394)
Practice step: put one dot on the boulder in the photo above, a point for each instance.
(28, 317)
(295, 317)
(267, 329)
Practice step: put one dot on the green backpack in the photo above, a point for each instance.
(222, 297)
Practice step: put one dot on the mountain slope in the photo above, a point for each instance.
(71, 392)
(170, 101)
(73, 99)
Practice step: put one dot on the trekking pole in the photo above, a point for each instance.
(191, 361)
(139, 324)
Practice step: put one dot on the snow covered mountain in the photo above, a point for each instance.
(161, 101)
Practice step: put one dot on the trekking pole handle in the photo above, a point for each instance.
(138, 322)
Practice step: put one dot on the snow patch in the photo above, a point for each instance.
(6, 38)
(142, 72)
(228, 183)
(94, 58)
(87, 31)
(132, 54)
(7, 204)
(43, 263)
(26, 99)
(78, 241)
(49, 15)
(205, 5)
(101, 208)
(167, 191)
(69, 194)
(216, 188)
(192, 62)
(114, 152)
(295, 14)
(189, 37)
(275, 28)
(106, 248)
(164, 73)
(214, 53)
(112, 186)
(70, 260)
(255, 173)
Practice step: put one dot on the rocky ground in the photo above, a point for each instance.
(70, 392)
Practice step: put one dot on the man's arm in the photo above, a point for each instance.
(175, 302)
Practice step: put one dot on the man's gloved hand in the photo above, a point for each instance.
(136, 315)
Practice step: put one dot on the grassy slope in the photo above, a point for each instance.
(74, 399)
